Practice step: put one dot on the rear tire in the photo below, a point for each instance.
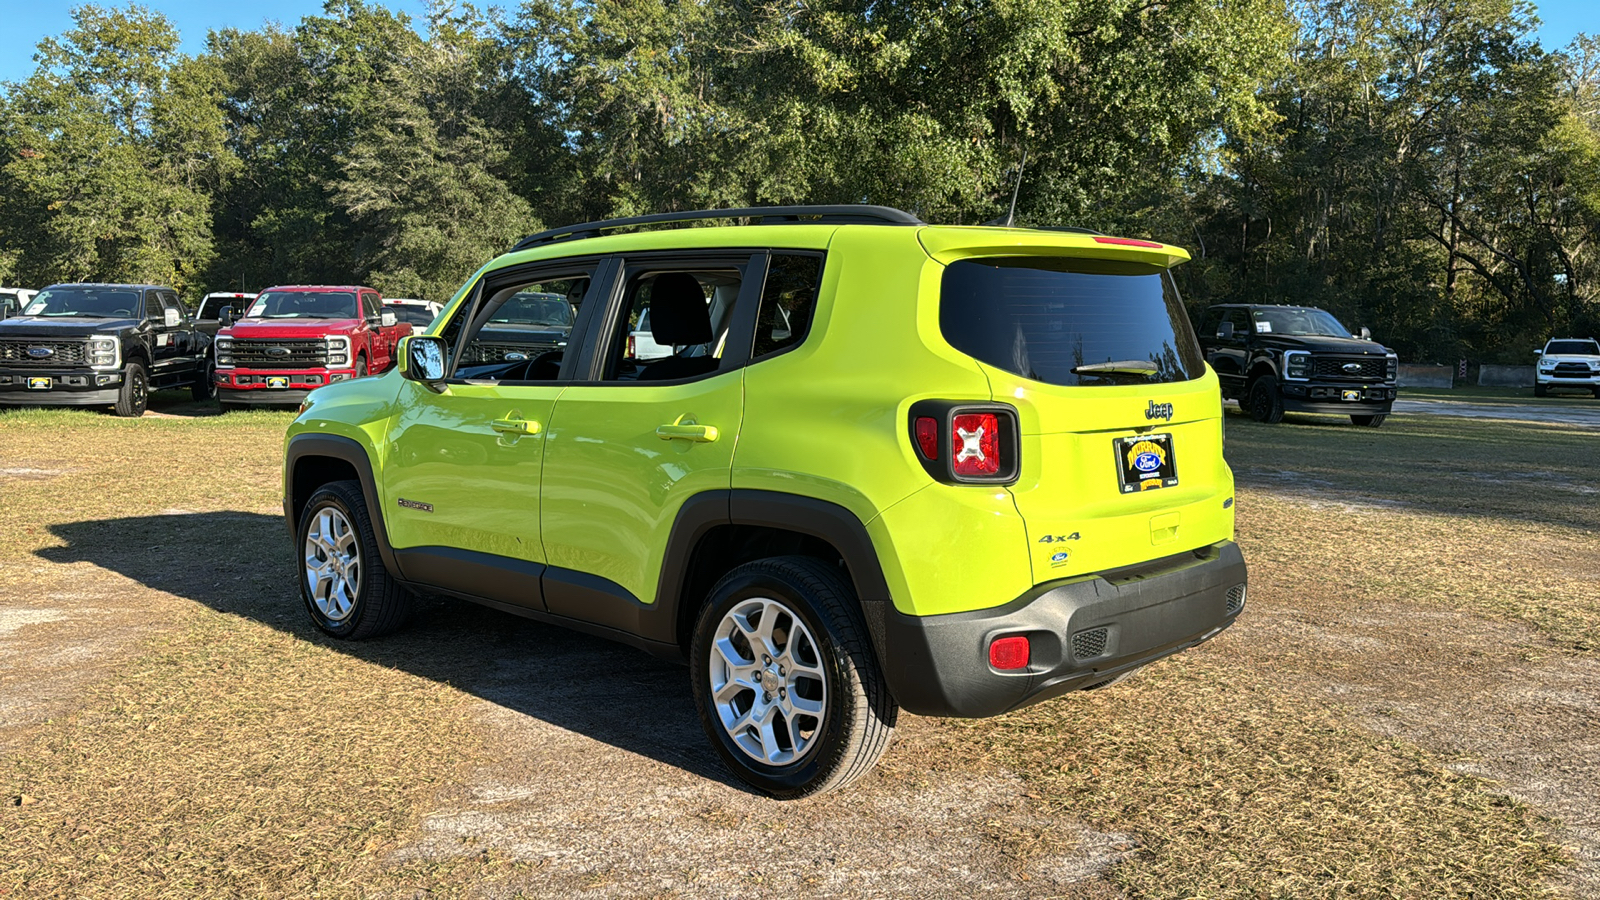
(134, 395)
(206, 387)
(1265, 403)
(1369, 421)
(347, 591)
(785, 679)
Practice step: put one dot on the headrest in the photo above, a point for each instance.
(678, 313)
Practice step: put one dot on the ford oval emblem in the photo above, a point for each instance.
(1147, 462)
(1352, 368)
(514, 356)
(41, 352)
(277, 351)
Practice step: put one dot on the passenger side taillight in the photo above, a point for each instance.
(961, 443)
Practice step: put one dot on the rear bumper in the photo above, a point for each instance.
(1082, 633)
(68, 387)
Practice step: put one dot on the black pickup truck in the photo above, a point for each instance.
(1277, 359)
(102, 345)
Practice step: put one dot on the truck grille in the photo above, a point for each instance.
(479, 353)
(266, 353)
(1333, 367)
(1571, 370)
(62, 353)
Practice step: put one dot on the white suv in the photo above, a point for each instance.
(1568, 363)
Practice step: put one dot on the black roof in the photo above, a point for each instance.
(106, 284)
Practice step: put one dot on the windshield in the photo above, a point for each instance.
(411, 315)
(534, 309)
(1297, 321)
(305, 305)
(1573, 348)
(92, 303)
(1067, 321)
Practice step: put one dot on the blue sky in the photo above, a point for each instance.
(29, 21)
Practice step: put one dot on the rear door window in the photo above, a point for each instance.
(1070, 321)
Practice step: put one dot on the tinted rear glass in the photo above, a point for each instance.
(1044, 317)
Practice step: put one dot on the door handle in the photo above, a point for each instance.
(685, 428)
(515, 426)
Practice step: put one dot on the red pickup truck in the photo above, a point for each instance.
(293, 340)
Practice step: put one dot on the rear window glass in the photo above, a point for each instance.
(1070, 321)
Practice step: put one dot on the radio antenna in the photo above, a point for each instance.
(1010, 217)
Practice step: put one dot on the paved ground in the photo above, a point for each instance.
(1579, 414)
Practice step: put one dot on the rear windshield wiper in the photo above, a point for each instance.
(1120, 367)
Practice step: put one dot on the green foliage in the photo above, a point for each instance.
(1420, 168)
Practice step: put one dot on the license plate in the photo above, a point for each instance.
(39, 383)
(1349, 395)
(1145, 463)
(277, 381)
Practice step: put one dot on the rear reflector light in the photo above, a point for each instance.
(1009, 653)
(974, 443)
(633, 350)
(1127, 242)
(928, 437)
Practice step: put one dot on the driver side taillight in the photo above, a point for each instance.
(965, 443)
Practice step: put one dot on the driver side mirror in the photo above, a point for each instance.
(1366, 333)
(171, 318)
(1539, 352)
(1225, 330)
(225, 318)
(422, 360)
(387, 319)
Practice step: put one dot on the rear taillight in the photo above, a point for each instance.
(965, 443)
(975, 444)
(1009, 653)
(928, 437)
(633, 352)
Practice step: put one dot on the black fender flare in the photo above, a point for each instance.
(826, 521)
(346, 450)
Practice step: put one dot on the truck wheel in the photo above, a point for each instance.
(134, 394)
(785, 680)
(1539, 390)
(346, 588)
(206, 387)
(361, 367)
(1369, 421)
(1266, 404)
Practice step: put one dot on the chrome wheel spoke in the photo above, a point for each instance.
(332, 564)
(760, 654)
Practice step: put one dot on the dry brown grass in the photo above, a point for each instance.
(246, 756)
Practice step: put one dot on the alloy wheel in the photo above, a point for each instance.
(767, 681)
(332, 564)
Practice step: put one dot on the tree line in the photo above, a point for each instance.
(1420, 167)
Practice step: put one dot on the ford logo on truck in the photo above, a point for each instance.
(40, 352)
(277, 351)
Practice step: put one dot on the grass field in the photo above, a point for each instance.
(232, 750)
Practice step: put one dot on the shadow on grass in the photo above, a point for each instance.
(241, 564)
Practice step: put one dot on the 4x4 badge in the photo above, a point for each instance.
(1156, 410)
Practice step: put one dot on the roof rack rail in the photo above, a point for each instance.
(840, 214)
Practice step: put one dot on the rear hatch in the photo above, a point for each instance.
(1120, 420)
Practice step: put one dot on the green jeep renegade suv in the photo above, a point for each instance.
(955, 470)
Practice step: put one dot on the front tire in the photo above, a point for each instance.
(134, 395)
(1540, 390)
(1266, 404)
(347, 591)
(785, 680)
(1369, 421)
